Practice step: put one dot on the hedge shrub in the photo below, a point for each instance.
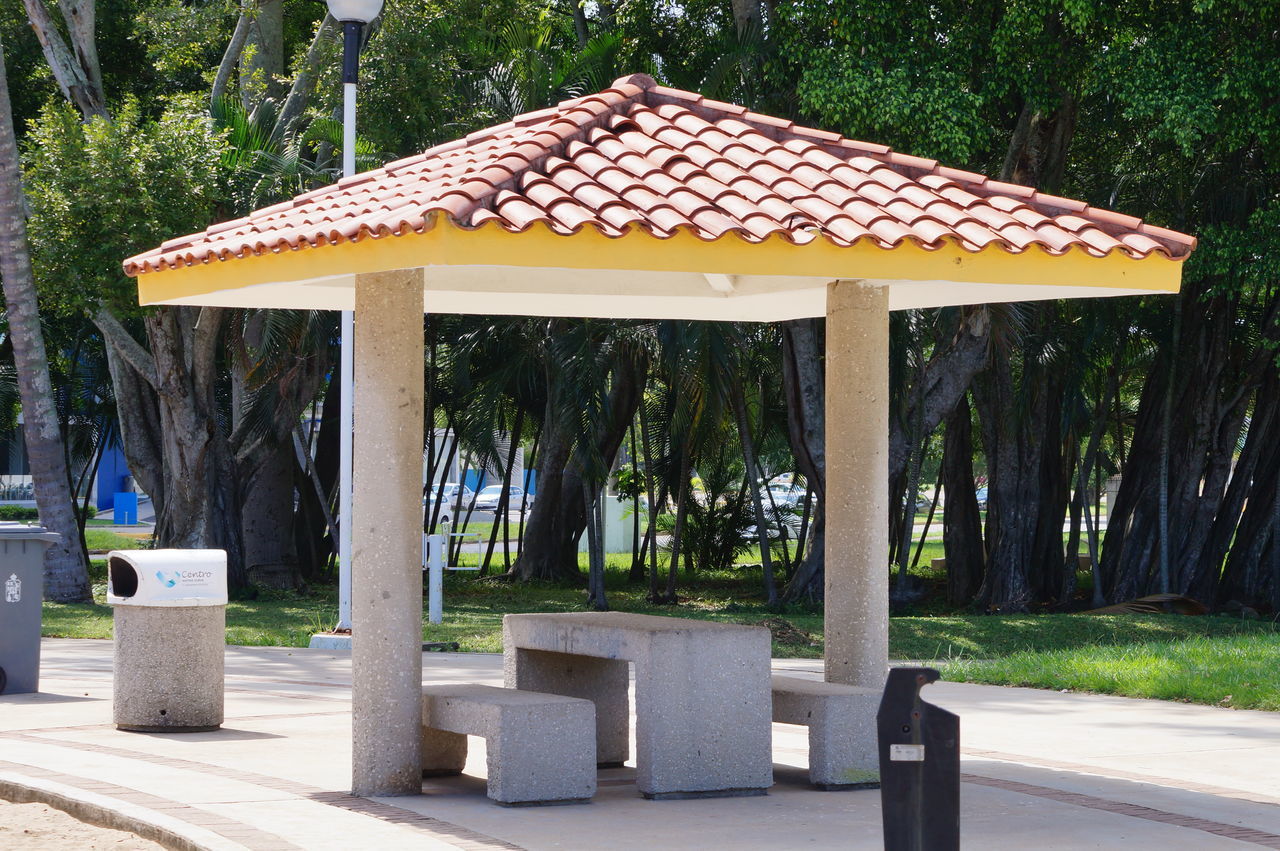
(29, 512)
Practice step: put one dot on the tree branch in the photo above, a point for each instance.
(944, 380)
(125, 345)
(206, 334)
(230, 57)
(75, 82)
(303, 83)
(304, 461)
(80, 18)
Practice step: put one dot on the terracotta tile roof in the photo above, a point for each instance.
(640, 155)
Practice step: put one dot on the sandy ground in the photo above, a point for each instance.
(26, 827)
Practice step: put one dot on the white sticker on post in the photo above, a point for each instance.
(906, 753)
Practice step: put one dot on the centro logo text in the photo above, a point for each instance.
(170, 578)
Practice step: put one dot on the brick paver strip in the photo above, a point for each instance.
(1107, 771)
(247, 835)
(231, 678)
(474, 841)
(454, 834)
(1231, 831)
(79, 727)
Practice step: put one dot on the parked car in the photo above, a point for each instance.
(445, 514)
(450, 493)
(489, 498)
(783, 494)
(789, 516)
(791, 521)
(981, 494)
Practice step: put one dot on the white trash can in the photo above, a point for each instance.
(170, 613)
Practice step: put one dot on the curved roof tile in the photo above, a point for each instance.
(640, 155)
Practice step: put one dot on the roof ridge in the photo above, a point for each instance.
(590, 111)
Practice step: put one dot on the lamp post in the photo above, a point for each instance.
(386, 656)
(354, 15)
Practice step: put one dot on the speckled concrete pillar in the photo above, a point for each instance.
(168, 668)
(386, 569)
(857, 507)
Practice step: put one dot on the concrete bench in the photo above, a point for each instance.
(701, 694)
(842, 729)
(541, 748)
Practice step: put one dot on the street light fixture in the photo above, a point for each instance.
(354, 15)
(358, 11)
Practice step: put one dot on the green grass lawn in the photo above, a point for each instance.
(977, 638)
(482, 528)
(104, 540)
(1214, 660)
(1235, 670)
(474, 610)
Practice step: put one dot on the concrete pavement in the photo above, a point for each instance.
(1041, 769)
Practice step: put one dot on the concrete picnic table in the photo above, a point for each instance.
(702, 698)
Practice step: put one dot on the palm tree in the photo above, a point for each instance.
(594, 376)
(66, 564)
(540, 66)
(690, 416)
(280, 359)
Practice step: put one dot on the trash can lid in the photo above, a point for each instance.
(14, 530)
(167, 578)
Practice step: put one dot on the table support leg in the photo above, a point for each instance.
(703, 718)
(602, 681)
(443, 753)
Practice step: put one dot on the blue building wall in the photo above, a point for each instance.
(477, 479)
(113, 473)
(474, 479)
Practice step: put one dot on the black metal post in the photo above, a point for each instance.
(919, 766)
(351, 31)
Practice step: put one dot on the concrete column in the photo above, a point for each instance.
(386, 570)
(857, 507)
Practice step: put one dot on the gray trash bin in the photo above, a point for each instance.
(22, 551)
(170, 636)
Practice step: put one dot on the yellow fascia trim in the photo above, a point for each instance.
(638, 250)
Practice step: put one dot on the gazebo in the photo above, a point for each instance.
(646, 202)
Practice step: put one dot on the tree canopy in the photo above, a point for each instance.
(188, 113)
